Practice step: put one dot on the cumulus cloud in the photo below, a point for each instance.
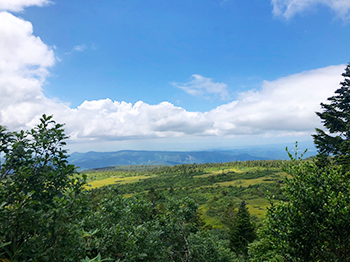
(24, 63)
(113, 120)
(289, 8)
(285, 106)
(19, 5)
(203, 86)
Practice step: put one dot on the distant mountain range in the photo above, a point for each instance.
(92, 159)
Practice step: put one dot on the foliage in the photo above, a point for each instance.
(204, 246)
(131, 229)
(39, 199)
(47, 215)
(336, 118)
(98, 258)
(314, 223)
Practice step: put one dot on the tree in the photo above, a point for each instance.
(313, 224)
(40, 197)
(132, 229)
(242, 231)
(336, 118)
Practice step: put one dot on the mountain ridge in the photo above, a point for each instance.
(93, 159)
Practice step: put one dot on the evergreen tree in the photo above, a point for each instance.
(336, 118)
(242, 231)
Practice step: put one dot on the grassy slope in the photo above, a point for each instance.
(213, 188)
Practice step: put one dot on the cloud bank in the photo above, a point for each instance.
(289, 8)
(282, 107)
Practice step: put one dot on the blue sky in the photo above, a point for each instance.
(171, 75)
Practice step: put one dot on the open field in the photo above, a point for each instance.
(115, 180)
(213, 186)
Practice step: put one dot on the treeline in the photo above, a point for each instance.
(197, 169)
(192, 169)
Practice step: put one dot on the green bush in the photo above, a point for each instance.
(40, 201)
(313, 224)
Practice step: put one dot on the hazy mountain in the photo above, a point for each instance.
(92, 159)
(129, 157)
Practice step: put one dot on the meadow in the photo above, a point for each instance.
(215, 187)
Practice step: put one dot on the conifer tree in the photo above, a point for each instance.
(336, 118)
(242, 231)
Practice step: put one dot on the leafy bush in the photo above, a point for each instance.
(313, 224)
(40, 203)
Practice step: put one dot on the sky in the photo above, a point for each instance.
(171, 75)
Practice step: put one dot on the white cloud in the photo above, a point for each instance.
(285, 106)
(289, 8)
(24, 60)
(19, 5)
(203, 86)
(20, 49)
(80, 48)
(113, 120)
